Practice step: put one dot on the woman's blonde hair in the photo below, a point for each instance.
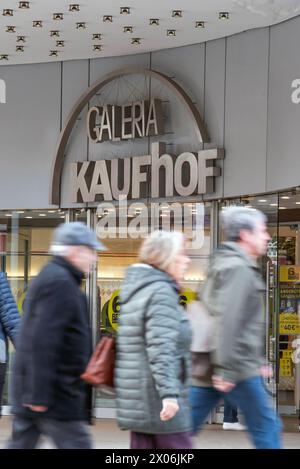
(161, 247)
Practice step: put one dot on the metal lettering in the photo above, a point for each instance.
(137, 176)
(165, 161)
(92, 130)
(105, 126)
(103, 188)
(190, 159)
(126, 119)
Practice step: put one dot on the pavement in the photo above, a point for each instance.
(107, 435)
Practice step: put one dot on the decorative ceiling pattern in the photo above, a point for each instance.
(55, 30)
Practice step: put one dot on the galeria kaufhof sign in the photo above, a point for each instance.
(156, 175)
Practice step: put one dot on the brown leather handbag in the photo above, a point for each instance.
(100, 369)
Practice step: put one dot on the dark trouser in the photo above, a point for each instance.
(230, 412)
(2, 381)
(251, 397)
(71, 434)
(181, 440)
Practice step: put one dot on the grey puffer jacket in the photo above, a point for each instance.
(153, 359)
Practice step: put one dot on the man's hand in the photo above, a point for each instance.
(36, 408)
(266, 371)
(170, 408)
(221, 385)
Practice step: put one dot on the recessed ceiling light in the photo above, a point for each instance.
(51, 211)
(80, 25)
(223, 15)
(97, 37)
(10, 29)
(177, 14)
(297, 203)
(54, 33)
(171, 32)
(8, 12)
(19, 48)
(200, 24)
(42, 214)
(3, 56)
(124, 11)
(20, 211)
(97, 47)
(60, 43)
(154, 21)
(58, 16)
(28, 217)
(62, 216)
(24, 5)
(282, 208)
(136, 41)
(21, 39)
(273, 205)
(285, 197)
(8, 214)
(128, 29)
(107, 19)
(74, 7)
(262, 200)
(53, 53)
(37, 24)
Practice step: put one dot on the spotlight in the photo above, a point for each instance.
(74, 7)
(136, 41)
(177, 14)
(124, 11)
(97, 47)
(58, 16)
(171, 32)
(10, 29)
(80, 25)
(154, 21)
(107, 19)
(97, 37)
(200, 24)
(3, 56)
(37, 24)
(223, 15)
(53, 53)
(128, 29)
(54, 33)
(60, 43)
(24, 5)
(19, 48)
(7, 12)
(21, 39)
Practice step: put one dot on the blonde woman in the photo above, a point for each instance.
(153, 360)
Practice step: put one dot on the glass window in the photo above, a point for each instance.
(25, 237)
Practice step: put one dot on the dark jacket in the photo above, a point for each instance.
(153, 359)
(54, 345)
(234, 294)
(9, 317)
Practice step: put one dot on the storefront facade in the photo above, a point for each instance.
(177, 135)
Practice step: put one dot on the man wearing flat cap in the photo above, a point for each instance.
(54, 347)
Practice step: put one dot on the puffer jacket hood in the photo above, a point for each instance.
(139, 276)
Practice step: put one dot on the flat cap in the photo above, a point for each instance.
(77, 234)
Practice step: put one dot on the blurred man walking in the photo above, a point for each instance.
(54, 347)
(233, 295)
